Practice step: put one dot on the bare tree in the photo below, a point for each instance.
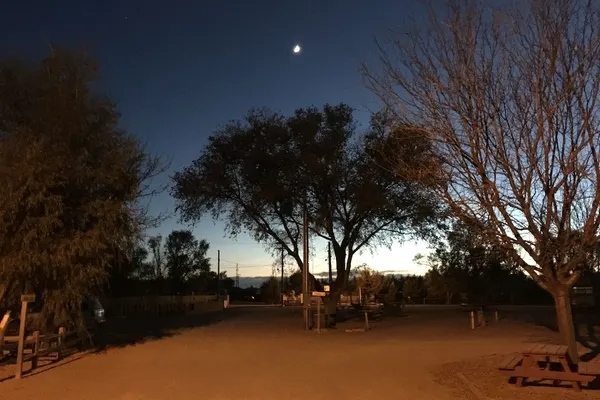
(510, 99)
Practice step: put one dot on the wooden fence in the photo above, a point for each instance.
(161, 305)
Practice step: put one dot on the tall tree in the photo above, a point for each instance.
(467, 263)
(71, 181)
(128, 264)
(413, 288)
(369, 281)
(157, 262)
(509, 97)
(185, 258)
(270, 290)
(259, 174)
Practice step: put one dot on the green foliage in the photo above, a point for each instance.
(258, 173)
(71, 181)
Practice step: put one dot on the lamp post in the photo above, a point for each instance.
(305, 275)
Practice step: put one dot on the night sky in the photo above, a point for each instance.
(179, 69)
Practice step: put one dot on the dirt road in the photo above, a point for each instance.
(261, 353)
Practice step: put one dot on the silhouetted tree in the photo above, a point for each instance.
(270, 291)
(185, 258)
(413, 288)
(71, 181)
(158, 265)
(259, 174)
(127, 266)
(509, 97)
(295, 282)
(370, 282)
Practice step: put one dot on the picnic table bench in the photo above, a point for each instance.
(548, 362)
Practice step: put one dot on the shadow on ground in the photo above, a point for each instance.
(121, 332)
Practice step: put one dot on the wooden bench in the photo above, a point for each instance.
(510, 362)
(589, 368)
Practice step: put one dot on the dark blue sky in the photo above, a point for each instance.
(178, 69)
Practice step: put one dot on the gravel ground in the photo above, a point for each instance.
(262, 353)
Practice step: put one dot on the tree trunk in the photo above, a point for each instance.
(564, 320)
(448, 297)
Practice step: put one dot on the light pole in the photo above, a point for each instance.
(305, 283)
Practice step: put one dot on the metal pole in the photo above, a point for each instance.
(282, 289)
(305, 286)
(218, 274)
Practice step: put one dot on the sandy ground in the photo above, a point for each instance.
(262, 353)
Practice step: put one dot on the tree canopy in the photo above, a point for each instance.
(466, 264)
(185, 258)
(71, 183)
(260, 172)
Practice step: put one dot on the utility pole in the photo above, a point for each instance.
(329, 260)
(305, 275)
(282, 276)
(237, 276)
(218, 274)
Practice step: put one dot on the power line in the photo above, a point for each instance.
(247, 265)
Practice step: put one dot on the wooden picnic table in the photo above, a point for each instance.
(547, 362)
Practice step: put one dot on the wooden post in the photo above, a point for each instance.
(367, 321)
(496, 316)
(472, 315)
(61, 337)
(36, 349)
(481, 318)
(25, 299)
(319, 315)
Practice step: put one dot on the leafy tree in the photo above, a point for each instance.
(295, 282)
(227, 283)
(413, 288)
(435, 285)
(71, 184)
(270, 291)
(127, 265)
(389, 293)
(509, 98)
(186, 258)
(370, 282)
(260, 173)
(467, 264)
